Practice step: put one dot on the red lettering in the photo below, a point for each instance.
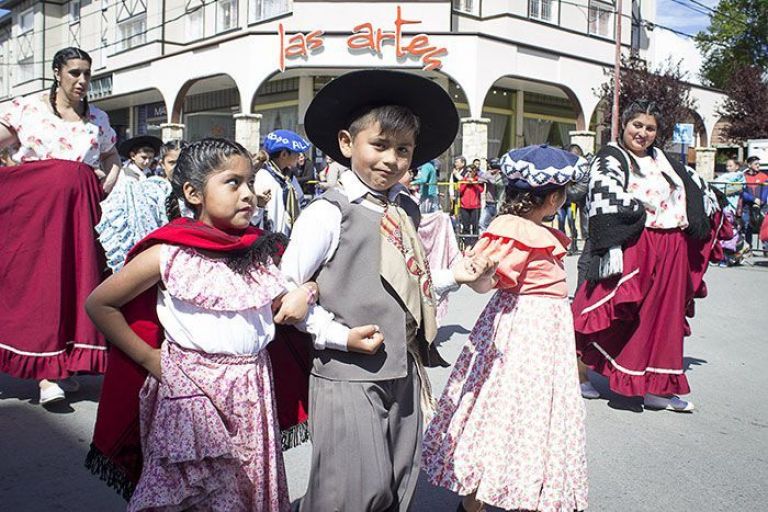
(315, 40)
(362, 37)
(281, 33)
(399, 22)
(381, 36)
(430, 61)
(418, 45)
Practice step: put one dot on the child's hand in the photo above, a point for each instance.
(472, 267)
(262, 197)
(365, 339)
(292, 307)
(152, 363)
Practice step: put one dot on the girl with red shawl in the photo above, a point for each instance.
(194, 307)
(49, 258)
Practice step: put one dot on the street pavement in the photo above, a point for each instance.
(713, 459)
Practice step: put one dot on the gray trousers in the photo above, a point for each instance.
(366, 444)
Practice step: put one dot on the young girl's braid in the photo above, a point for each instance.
(59, 60)
(197, 160)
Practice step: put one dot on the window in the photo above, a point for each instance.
(131, 32)
(26, 21)
(468, 6)
(545, 10)
(26, 69)
(265, 9)
(601, 18)
(74, 11)
(226, 15)
(195, 20)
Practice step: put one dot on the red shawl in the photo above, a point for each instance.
(115, 454)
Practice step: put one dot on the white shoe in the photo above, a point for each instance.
(673, 403)
(51, 393)
(588, 391)
(69, 385)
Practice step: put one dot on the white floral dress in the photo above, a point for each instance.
(44, 136)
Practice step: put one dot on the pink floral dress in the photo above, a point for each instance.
(44, 136)
(510, 422)
(209, 431)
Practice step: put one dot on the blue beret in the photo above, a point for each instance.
(278, 140)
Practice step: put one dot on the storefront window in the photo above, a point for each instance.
(468, 6)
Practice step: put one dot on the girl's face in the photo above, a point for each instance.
(228, 200)
(74, 78)
(639, 134)
(169, 161)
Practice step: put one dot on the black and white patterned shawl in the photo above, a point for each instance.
(616, 218)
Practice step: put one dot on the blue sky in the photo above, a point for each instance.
(683, 15)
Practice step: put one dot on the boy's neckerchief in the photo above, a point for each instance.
(115, 453)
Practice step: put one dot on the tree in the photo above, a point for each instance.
(665, 86)
(746, 107)
(737, 37)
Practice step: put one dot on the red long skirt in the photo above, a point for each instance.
(631, 328)
(49, 264)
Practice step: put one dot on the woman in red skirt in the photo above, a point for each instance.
(49, 259)
(647, 212)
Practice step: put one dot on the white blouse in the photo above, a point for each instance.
(206, 306)
(665, 205)
(44, 136)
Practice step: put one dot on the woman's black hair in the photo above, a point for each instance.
(197, 161)
(639, 107)
(59, 60)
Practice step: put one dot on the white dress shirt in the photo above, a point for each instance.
(314, 241)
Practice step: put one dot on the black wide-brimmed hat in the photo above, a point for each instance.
(337, 104)
(142, 141)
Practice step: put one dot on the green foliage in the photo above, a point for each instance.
(737, 37)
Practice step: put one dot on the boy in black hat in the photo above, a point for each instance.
(359, 240)
(139, 152)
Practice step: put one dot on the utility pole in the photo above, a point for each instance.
(616, 76)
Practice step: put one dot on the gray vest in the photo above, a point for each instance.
(352, 289)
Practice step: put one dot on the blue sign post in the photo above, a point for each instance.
(683, 135)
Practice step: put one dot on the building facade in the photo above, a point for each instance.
(520, 71)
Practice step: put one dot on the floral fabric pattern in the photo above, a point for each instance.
(510, 422)
(209, 435)
(209, 283)
(132, 210)
(661, 191)
(44, 136)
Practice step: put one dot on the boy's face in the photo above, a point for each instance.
(142, 157)
(378, 159)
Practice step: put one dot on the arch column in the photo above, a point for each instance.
(248, 131)
(172, 131)
(585, 139)
(705, 162)
(474, 138)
